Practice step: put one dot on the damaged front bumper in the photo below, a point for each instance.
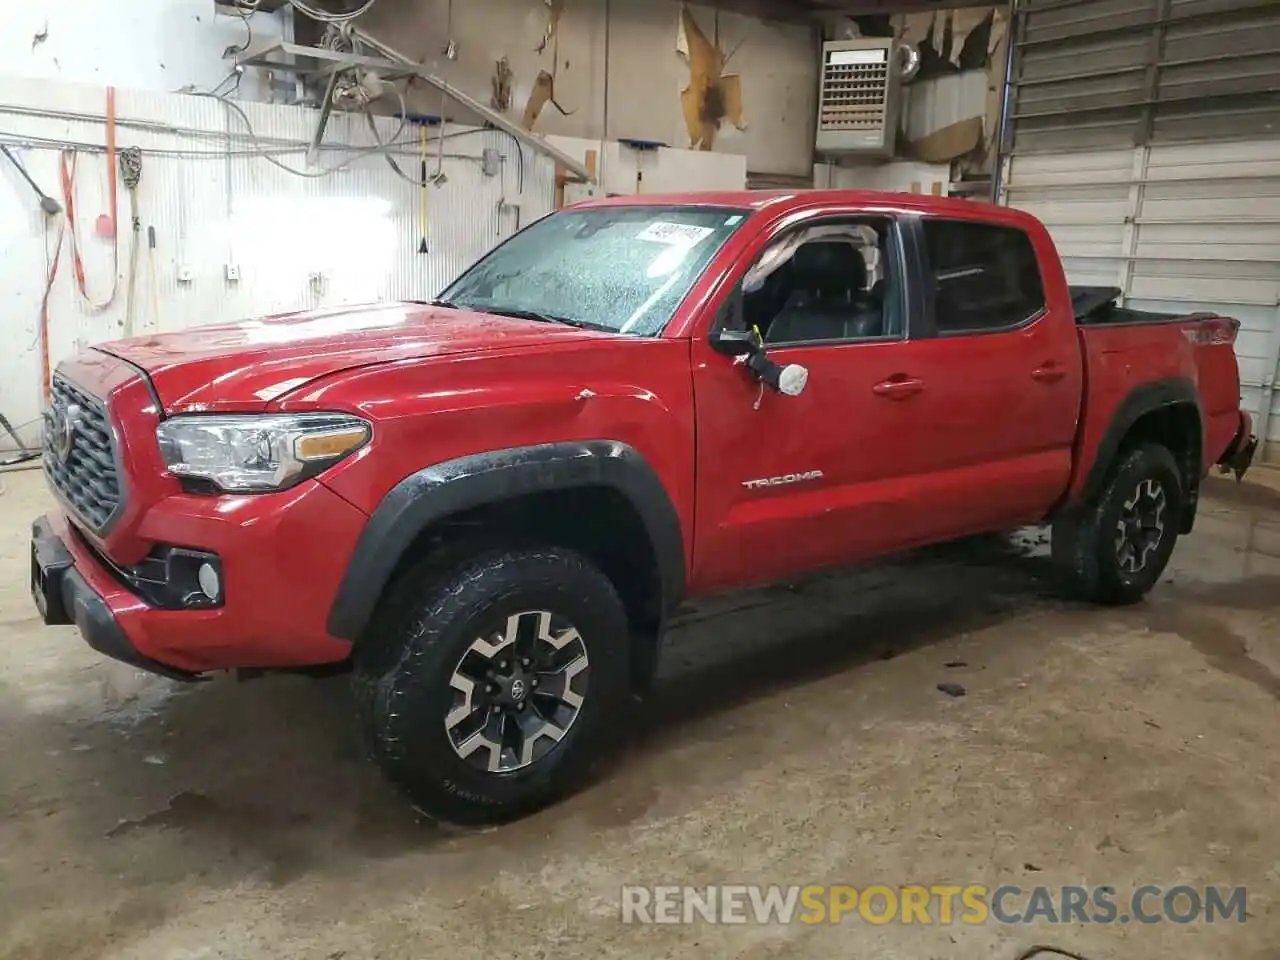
(63, 595)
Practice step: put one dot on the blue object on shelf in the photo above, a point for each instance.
(641, 144)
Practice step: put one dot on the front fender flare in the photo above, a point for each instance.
(448, 488)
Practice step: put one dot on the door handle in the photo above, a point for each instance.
(898, 388)
(1050, 372)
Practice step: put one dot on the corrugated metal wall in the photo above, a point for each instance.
(298, 241)
(1146, 135)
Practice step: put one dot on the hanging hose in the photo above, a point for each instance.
(69, 161)
(324, 16)
(51, 266)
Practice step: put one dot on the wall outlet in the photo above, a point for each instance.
(233, 273)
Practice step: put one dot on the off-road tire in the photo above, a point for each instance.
(426, 623)
(1084, 545)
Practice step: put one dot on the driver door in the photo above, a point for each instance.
(788, 485)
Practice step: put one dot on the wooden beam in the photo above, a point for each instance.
(564, 176)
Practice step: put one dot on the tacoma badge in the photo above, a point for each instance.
(783, 480)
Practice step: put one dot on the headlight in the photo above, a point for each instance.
(258, 452)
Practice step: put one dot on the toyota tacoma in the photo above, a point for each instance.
(487, 506)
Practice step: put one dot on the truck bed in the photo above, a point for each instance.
(1127, 350)
(1095, 306)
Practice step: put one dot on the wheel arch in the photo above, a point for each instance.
(1166, 412)
(546, 483)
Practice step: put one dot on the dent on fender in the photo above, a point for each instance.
(598, 392)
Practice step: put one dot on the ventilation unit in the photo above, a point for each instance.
(858, 98)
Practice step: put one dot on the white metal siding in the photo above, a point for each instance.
(356, 230)
(1177, 228)
(1144, 134)
(1083, 199)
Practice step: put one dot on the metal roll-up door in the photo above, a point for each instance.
(1146, 135)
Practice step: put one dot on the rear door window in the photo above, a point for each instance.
(985, 277)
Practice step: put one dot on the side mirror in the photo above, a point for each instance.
(789, 381)
(735, 343)
(793, 379)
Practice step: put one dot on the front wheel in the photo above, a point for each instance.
(1114, 549)
(484, 692)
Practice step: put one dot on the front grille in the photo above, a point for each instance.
(83, 471)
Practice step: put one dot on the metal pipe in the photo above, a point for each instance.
(604, 120)
(49, 205)
(1006, 103)
(491, 116)
(50, 143)
(159, 128)
(326, 108)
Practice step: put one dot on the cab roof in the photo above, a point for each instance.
(785, 201)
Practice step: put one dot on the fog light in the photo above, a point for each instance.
(207, 577)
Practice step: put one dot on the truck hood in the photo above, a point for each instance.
(247, 365)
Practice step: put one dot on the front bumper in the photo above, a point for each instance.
(62, 595)
(282, 555)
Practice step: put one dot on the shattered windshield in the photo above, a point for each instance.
(623, 268)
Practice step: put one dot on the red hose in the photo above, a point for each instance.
(45, 369)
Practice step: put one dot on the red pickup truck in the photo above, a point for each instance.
(489, 505)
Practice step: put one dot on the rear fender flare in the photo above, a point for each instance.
(448, 488)
(1142, 400)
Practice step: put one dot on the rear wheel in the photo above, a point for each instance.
(1114, 549)
(482, 691)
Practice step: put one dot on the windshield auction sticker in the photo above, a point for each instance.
(677, 234)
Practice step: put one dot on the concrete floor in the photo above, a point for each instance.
(796, 737)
